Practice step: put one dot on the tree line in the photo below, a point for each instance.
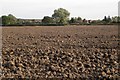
(59, 17)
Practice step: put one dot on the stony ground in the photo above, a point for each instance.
(60, 52)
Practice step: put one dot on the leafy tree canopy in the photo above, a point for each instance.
(47, 20)
(9, 20)
(61, 16)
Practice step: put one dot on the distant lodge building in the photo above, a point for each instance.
(29, 21)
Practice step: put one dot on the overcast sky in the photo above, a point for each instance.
(89, 9)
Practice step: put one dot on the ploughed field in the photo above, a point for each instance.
(60, 52)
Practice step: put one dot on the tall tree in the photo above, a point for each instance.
(61, 16)
(9, 20)
(72, 20)
(106, 20)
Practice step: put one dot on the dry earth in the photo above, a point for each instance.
(60, 52)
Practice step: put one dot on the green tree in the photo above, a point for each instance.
(106, 20)
(109, 19)
(4, 20)
(79, 18)
(9, 20)
(116, 19)
(0, 21)
(76, 20)
(72, 20)
(61, 16)
(47, 20)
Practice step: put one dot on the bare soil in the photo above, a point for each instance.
(60, 52)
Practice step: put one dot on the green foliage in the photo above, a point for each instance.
(116, 19)
(61, 16)
(9, 20)
(72, 20)
(106, 20)
(0, 21)
(96, 22)
(47, 20)
(75, 20)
